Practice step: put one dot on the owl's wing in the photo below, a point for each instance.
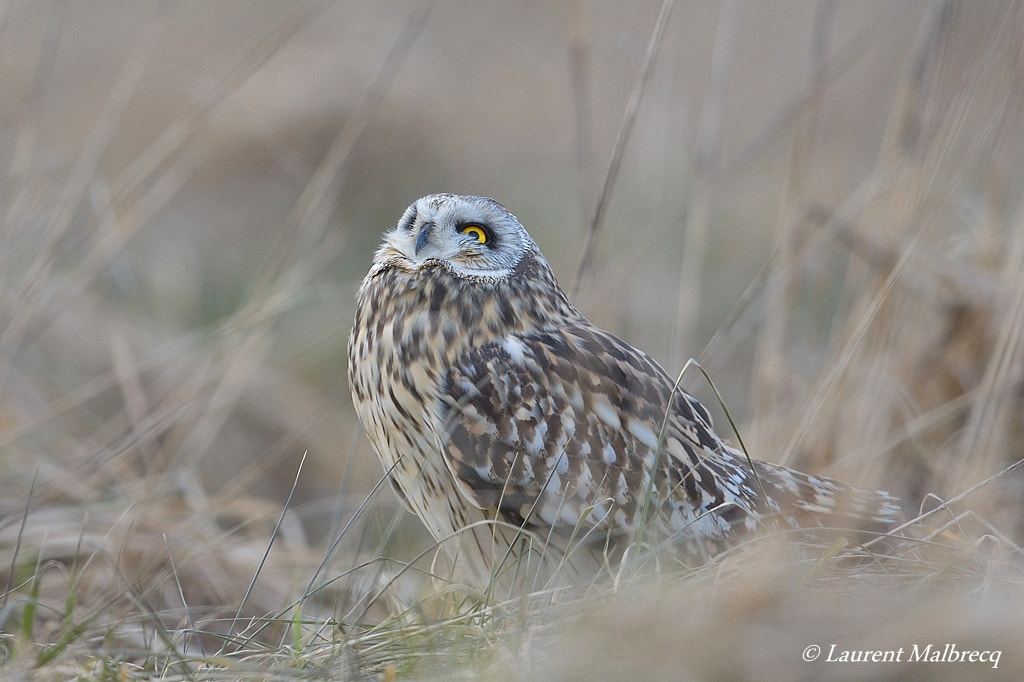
(550, 428)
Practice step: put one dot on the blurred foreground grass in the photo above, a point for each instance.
(821, 202)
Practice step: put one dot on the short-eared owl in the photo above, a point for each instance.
(513, 427)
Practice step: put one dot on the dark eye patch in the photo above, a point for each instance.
(409, 222)
(481, 230)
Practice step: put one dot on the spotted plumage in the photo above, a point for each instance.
(514, 428)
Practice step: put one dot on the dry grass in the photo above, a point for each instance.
(191, 192)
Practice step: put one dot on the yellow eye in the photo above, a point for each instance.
(476, 231)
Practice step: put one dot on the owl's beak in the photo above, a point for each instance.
(423, 237)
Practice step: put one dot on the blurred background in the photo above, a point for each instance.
(820, 201)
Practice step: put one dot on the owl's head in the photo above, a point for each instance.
(471, 237)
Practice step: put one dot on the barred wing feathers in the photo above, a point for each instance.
(561, 427)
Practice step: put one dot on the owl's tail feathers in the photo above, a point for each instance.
(806, 501)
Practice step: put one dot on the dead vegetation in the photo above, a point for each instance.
(191, 193)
